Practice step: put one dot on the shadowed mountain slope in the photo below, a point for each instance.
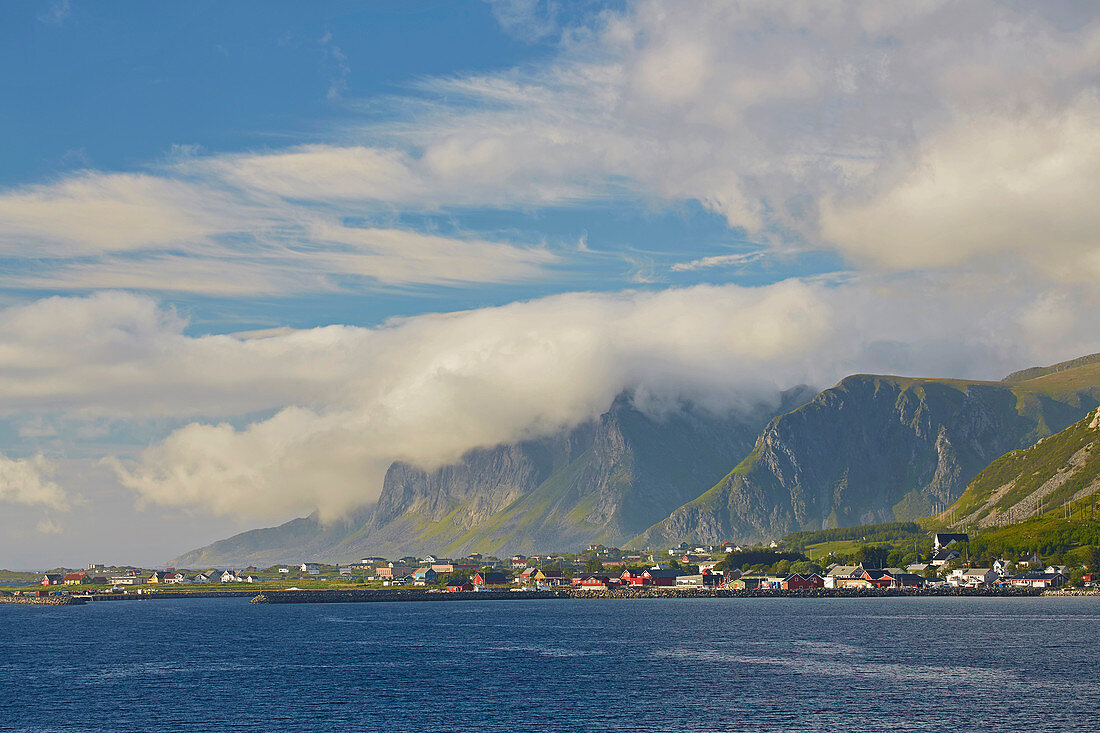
(880, 449)
(603, 481)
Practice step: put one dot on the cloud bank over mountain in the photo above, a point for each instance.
(344, 402)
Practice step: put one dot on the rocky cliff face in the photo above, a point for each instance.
(876, 449)
(602, 481)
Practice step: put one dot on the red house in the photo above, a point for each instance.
(661, 577)
(599, 581)
(881, 579)
(634, 577)
(467, 586)
(490, 578)
(802, 582)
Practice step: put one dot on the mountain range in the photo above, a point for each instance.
(872, 448)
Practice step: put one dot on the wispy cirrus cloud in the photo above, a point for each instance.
(157, 232)
(706, 263)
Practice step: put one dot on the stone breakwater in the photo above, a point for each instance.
(42, 600)
(397, 596)
(404, 595)
(168, 595)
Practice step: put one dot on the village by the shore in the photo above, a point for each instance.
(595, 570)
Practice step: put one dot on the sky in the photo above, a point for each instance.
(253, 253)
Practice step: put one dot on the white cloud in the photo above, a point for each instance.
(49, 526)
(427, 389)
(25, 481)
(320, 173)
(56, 12)
(120, 355)
(1025, 188)
(706, 263)
(93, 212)
(150, 232)
(528, 20)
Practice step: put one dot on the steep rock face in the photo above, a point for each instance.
(602, 481)
(876, 449)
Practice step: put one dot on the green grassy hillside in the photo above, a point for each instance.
(1045, 477)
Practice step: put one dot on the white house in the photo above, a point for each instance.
(973, 577)
(127, 580)
(842, 572)
(312, 568)
(229, 577)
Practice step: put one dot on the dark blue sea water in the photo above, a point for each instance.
(629, 665)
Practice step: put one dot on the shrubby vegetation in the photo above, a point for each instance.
(870, 533)
(1058, 541)
(762, 558)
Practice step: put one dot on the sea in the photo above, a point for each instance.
(676, 665)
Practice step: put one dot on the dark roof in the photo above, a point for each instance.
(945, 538)
(877, 574)
(493, 578)
(946, 553)
(664, 573)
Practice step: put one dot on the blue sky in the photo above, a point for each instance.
(116, 86)
(252, 253)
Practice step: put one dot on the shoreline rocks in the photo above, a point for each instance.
(406, 595)
(42, 600)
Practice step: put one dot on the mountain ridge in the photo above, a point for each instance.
(879, 448)
(602, 481)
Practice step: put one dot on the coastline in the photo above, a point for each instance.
(406, 595)
(399, 596)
